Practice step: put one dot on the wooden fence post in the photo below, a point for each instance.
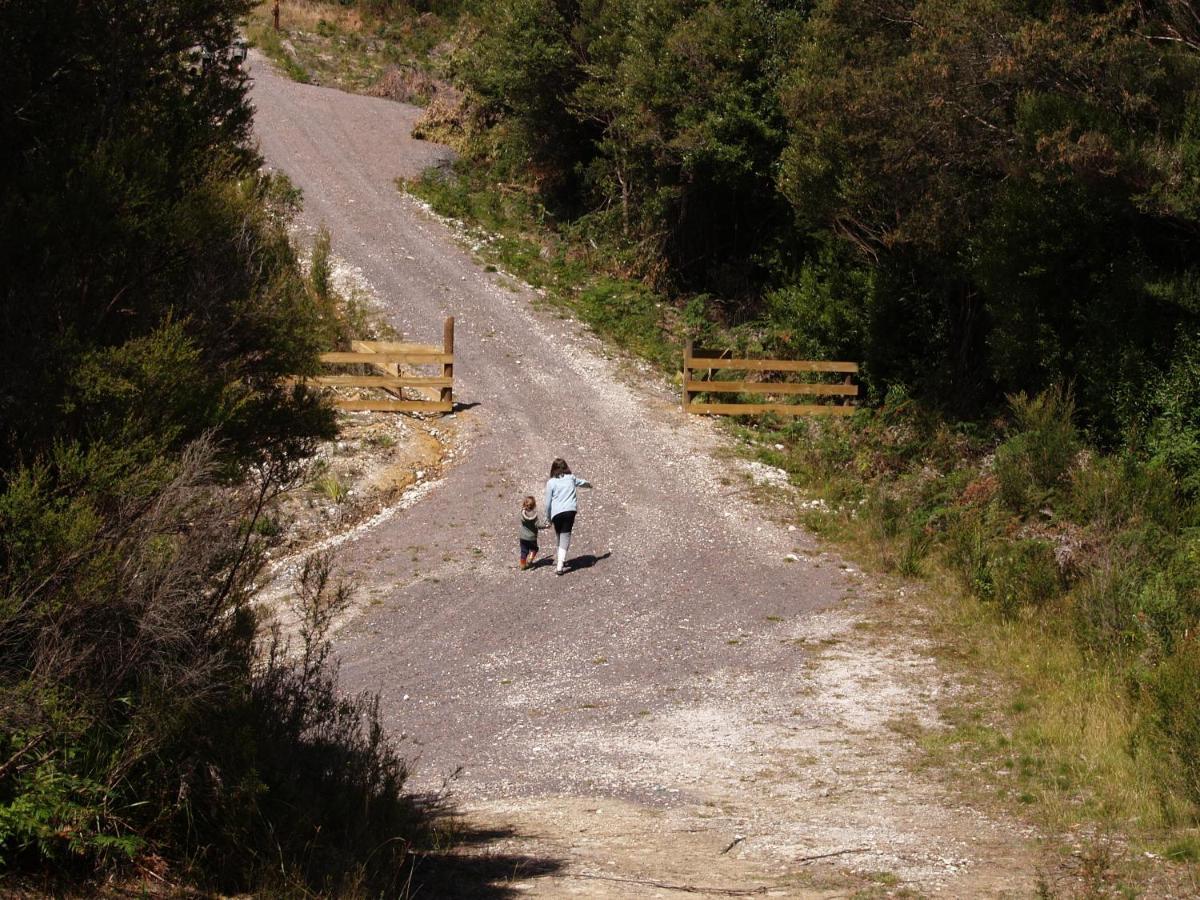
(448, 368)
(687, 374)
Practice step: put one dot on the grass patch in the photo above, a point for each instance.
(331, 488)
(509, 230)
(1063, 591)
(387, 53)
(271, 43)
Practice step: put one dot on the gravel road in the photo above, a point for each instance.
(462, 649)
(683, 599)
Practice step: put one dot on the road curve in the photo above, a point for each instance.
(522, 679)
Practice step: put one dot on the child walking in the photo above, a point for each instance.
(529, 529)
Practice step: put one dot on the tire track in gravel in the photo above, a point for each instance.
(639, 685)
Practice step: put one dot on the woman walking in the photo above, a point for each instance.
(561, 506)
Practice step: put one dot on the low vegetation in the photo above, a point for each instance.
(1070, 574)
(382, 48)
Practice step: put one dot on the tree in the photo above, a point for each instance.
(1007, 157)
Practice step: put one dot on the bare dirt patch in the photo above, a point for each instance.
(374, 460)
(799, 781)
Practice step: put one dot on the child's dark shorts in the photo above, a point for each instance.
(528, 547)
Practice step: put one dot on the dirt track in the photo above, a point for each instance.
(676, 691)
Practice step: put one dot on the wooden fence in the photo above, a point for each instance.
(841, 395)
(385, 358)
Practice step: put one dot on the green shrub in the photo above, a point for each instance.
(969, 537)
(1023, 574)
(320, 272)
(1032, 463)
(154, 310)
(330, 487)
(914, 547)
(143, 710)
(630, 315)
(1174, 687)
(1173, 437)
(1114, 492)
(1106, 606)
(885, 512)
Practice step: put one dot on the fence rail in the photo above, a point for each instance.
(696, 360)
(385, 358)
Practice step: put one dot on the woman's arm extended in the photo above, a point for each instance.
(582, 482)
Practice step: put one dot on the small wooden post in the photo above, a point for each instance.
(275, 14)
(687, 372)
(448, 368)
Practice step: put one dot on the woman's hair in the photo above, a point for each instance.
(528, 503)
(559, 467)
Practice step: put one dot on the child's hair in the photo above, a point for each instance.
(528, 503)
(559, 467)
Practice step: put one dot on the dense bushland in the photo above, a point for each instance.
(150, 306)
(970, 209)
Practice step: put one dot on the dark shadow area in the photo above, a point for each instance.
(587, 560)
(471, 865)
(477, 873)
(461, 407)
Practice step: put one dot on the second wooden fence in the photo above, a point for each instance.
(385, 359)
(840, 395)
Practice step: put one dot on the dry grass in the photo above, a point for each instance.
(306, 15)
(1059, 730)
(338, 46)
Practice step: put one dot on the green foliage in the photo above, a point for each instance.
(1009, 212)
(330, 487)
(1032, 463)
(630, 316)
(1023, 574)
(1100, 553)
(968, 214)
(320, 270)
(1173, 436)
(655, 120)
(1174, 687)
(270, 42)
(153, 307)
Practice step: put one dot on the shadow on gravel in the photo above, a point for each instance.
(579, 562)
(587, 560)
(472, 870)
